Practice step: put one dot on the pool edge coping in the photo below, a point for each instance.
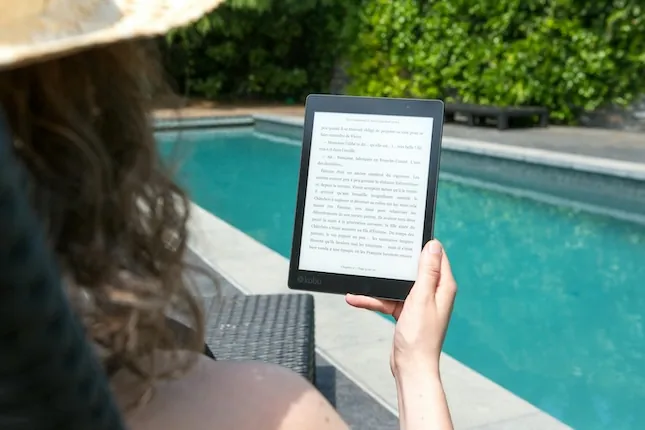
(355, 342)
(558, 159)
(546, 157)
(177, 123)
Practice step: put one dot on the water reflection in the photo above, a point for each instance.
(551, 304)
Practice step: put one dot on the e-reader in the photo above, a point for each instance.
(366, 195)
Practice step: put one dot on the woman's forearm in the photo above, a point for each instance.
(422, 402)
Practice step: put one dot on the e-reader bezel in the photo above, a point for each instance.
(366, 285)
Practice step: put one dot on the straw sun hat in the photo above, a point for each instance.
(35, 30)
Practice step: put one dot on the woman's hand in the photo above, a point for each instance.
(422, 320)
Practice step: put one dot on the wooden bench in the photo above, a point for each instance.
(476, 114)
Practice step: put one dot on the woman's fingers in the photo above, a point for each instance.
(447, 288)
(433, 270)
(370, 303)
(429, 274)
(378, 305)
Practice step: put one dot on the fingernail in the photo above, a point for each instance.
(434, 247)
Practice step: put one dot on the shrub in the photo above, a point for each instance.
(568, 55)
(257, 49)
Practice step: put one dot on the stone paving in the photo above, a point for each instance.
(617, 145)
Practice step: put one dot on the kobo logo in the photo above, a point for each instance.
(311, 280)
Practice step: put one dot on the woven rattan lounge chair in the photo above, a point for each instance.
(275, 328)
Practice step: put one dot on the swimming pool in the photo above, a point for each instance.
(551, 303)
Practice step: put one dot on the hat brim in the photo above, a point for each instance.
(38, 40)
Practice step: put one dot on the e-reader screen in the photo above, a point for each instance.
(365, 198)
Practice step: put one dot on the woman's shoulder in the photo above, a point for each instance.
(215, 395)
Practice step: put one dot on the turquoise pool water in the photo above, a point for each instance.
(551, 302)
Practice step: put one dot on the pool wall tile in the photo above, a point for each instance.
(283, 128)
(178, 123)
(599, 190)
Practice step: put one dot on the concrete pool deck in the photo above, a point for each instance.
(356, 342)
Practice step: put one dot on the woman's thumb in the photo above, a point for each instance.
(429, 270)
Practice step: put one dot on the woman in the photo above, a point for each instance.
(76, 82)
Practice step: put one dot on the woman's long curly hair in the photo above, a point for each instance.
(82, 126)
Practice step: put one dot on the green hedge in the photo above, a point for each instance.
(258, 50)
(568, 55)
